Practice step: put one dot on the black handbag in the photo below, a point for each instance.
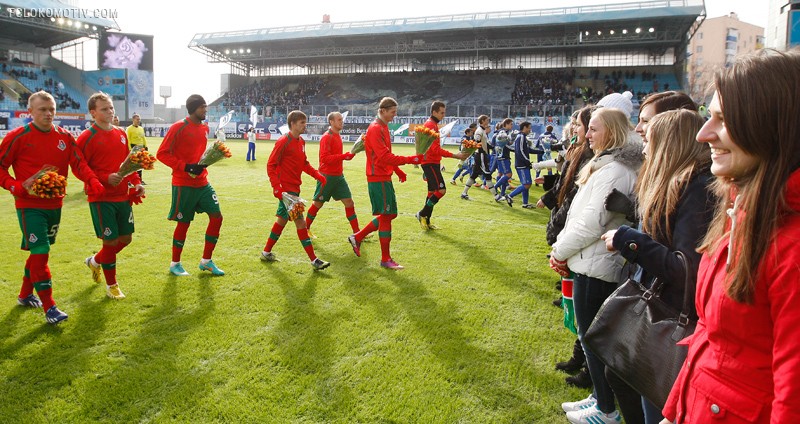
(635, 334)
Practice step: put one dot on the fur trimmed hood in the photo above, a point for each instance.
(630, 155)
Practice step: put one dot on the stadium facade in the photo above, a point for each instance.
(480, 54)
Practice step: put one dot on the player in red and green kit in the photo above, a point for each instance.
(181, 149)
(27, 149)
(381, 163)
(105, 147)
(432, 167)
(330, 165)
(285, 166)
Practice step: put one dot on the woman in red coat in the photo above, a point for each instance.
(743, 364)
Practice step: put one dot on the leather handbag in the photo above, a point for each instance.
(635, 334)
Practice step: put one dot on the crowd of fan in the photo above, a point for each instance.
(23, 73)
(274, 92)
(538, 88)
(617, 82)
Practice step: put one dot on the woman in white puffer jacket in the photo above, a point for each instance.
(579, 248)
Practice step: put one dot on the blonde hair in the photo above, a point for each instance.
(333, 115)
(387, 103)
(41, 94)
(673, 158)
(617, 126)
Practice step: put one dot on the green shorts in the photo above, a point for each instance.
(39, 228)
(336, 187)
(381, 195)
(282, 212)
(111, 219)
(186, 201)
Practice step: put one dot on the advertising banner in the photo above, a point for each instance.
(109, 81)
(140, 94)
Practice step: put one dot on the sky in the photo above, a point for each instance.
(174, 24)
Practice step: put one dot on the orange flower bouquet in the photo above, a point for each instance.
(423, 138)
(470, 146)
(215, 152)
(137, 159)
(295, 206)
(46, 184)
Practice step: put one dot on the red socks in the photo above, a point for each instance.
(178, 238)
(311, 215)
(350, 213)
(372, 226)
(212, 235)
(274, 235)
(27, 286)
(385, 235)
(305, 240)
(40, 276)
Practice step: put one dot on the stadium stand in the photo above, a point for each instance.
(35, 78)
(525, 63)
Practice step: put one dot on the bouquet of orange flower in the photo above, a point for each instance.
(215, 152)
(423, 138)
(358, 146)
(295, 206)
(46, 184)
(470, 146)
(137, 159)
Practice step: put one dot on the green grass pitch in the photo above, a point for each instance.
(465, 334)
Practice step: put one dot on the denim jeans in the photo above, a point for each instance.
(652, 413)
(251, 151)
(588, 295)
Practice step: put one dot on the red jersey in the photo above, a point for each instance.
(27, 149)
(184, 144)
(287, 162)
(381, 162)
(104, 152)
(330, 154)
(435, 153)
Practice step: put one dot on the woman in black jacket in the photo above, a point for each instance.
(675, 208)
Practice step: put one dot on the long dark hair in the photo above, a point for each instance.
(760, 100)
(574, 155)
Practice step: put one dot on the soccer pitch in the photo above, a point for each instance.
(466, 333)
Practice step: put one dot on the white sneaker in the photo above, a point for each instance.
(593, 416)
(589, 402)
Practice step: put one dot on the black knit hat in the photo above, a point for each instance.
(193, 102)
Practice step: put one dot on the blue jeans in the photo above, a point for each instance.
(652, 413)
(588, 295)
(251, 151)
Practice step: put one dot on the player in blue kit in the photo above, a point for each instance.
(522, 162)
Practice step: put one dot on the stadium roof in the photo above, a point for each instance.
(581, 27)
(47, 23)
